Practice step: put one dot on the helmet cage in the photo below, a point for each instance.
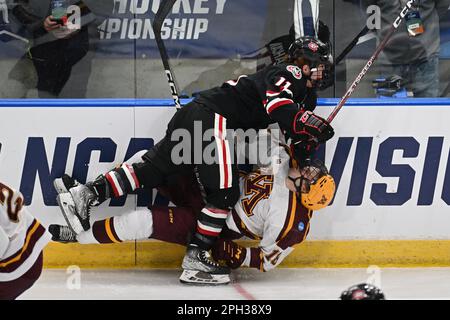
(310, 173)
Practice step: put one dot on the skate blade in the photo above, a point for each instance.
(59, 186)
(195, 277)
(67, 207)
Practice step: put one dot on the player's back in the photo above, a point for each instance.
(242, 101)
(23, 235)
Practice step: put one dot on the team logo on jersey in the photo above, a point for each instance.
(301, 226)
(313, 46)
(296, 72)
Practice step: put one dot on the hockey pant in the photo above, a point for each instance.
(193, 132)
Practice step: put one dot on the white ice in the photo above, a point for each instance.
(289, 284)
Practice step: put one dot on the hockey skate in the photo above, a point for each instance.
(198, 268)
(62, 234)
(65, 183)
(76, 207)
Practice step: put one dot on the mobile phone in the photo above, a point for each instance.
(58, 21)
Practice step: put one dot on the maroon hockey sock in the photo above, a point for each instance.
(104, 231)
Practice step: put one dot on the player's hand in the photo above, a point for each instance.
(229, 252)
(310, 126)
(50, 24)
(303, 150)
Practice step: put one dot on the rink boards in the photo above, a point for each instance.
(390, 160)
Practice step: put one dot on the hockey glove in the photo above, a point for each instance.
(303, 150)
(229, 252)
(310, 126)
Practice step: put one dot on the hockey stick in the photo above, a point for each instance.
(369, 63)
(351, 45)
(163, 11)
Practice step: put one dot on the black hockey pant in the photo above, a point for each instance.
(195, 139)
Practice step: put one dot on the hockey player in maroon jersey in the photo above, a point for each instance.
(284, 94)
(275, 207)
(22, 239)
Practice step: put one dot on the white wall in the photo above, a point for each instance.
(377, 128)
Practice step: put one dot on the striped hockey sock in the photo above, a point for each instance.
(122, 180)
(209, 225)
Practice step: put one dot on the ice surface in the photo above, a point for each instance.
(289, 284)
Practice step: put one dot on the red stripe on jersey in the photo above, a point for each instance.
(224, 152)
(226, 184)
(278, 104)
(224, 164)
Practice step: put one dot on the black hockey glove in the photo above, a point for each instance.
(303, 150)
(310, 126)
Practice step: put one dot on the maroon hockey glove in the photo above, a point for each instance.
(230, 252)
(310, 126)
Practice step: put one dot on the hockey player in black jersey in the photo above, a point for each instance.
(283, 94)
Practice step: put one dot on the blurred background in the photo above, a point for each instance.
(114, 54)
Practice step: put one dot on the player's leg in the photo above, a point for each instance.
(167, 224)
(76, 200)
(219, 182)
(133, 225)
(219, 203)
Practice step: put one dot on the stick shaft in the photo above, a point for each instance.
(351, 45)
(162, 13)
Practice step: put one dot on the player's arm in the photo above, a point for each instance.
(289, 102)
(24, 14)
(4, 242)
(234, 255)
(261, 258)
(267, 258)
(310, 101)
(279, 238)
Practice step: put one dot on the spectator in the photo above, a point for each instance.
(413, 52)
(56, 47)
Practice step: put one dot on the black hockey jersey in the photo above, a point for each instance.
(275, 94)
